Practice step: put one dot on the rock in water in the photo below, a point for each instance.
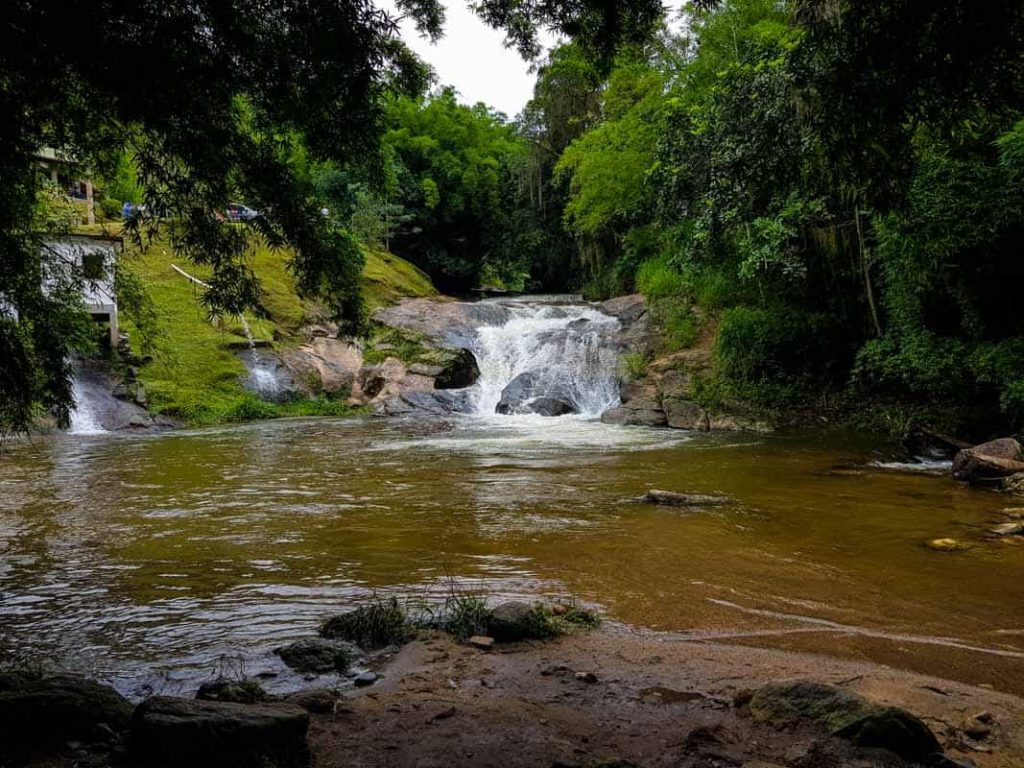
(49, 712)
(989, 461)
(529, 393)
(176, 732)
(672, 499)
(238, 691)
(318, 655)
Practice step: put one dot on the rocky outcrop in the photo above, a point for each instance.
(116, 405)
(49, 712)
(446, 322)
(326, 364)
(640, 406)
(989, 462)
(175, 732)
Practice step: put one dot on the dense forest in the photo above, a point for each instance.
(836, 189)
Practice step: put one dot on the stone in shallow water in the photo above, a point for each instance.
(318, 655)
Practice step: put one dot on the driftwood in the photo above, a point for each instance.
(672, 499)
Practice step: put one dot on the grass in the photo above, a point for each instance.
(376, 625)
(465, 615)
(196, 375)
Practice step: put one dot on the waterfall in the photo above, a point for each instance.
(550, 359)
(84, 420)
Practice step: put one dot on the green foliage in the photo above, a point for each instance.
(378, 624)
(634, 365)
(657, 279)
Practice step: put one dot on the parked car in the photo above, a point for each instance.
(239, 212)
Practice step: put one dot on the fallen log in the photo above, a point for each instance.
(673, 499)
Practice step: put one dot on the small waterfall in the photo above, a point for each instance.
(262, 376)
(84, 420)
(561, 352)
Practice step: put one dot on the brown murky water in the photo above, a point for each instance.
(148, 561)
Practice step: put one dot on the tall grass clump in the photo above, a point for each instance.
(376, 625)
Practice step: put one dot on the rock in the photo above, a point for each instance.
(685, 414)
(318, 655)
(976, 727)
(893, 729)
(847, 715)
(1008, 529)
(445, 322)
(1014, 483)
(41, 713)
(786, 702)
(586, 677)
(174, 732)
(482, 642)
(325, 364)
(636, 414)
(238, 691)
(529, 393)
(944, 545)
(436, 402)
(365, 679)
(460, 370)
(988, 461)
(318, 701)
(513, 620)
(550, 406)
(626, 309)
(672, 499)
(425, 369)
(1014, 513)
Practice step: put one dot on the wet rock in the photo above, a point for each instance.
(636, 414)
(513, 620)
(673, 499)
(1008, 529)
(425, 369)
(530, 393)
(174, 732)
(318, 655)
(443, 321)
(366, 679)
(237, 691)
(685, 414)
(434, 402)
(893, 729)
(268, 377)
(988, 461)
(42, 713)
(944, 545)
(318, 701)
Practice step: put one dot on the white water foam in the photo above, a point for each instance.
(570, 347)
(83, 419)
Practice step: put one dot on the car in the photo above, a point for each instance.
(239, 212)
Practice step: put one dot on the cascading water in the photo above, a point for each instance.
(548, 353)
(84, 420)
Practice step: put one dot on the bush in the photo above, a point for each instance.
(657, 279)
(377, 625)
(777, 355)
(110, 208)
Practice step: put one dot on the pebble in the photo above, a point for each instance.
(944, 545)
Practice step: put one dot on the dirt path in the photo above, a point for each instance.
(646, 699)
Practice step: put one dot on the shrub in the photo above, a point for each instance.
(777, 355)
(379, 624)
(657, 279)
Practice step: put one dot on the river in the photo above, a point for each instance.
(156, 561)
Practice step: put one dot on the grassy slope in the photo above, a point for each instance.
(195, 375)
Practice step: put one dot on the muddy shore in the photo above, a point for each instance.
(649, 700)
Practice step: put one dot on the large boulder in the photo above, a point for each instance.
(847, 715)
(175, 732)
(318, 655)
(44, 713)
(530, 393)
(989, 461)
(434, 402)
(327, 364)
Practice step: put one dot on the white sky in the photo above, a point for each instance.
(472, 58)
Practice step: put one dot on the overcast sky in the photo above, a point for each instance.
(471, 57)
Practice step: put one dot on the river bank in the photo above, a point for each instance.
(649, 699)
